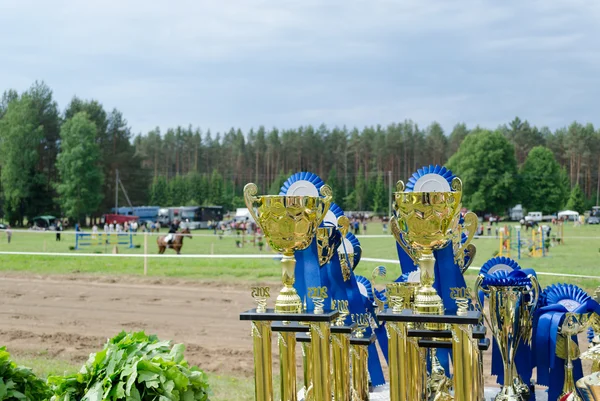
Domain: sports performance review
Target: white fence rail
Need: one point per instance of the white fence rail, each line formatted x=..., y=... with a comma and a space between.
x=245, y=256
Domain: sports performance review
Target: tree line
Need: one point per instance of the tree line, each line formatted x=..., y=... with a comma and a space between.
x=65, y=162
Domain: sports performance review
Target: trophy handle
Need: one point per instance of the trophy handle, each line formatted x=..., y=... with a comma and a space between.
x=344, y=225
x=470, y=225
x=478, y=287
x=327, y=195
x=395, y=229
x=535, y=289
x=357, y=255
x=456, y=185
x=470, y=251
x=250, y=191
x=400, y=186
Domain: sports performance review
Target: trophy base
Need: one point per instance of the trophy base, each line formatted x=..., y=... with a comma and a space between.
x=428, y=302
x=288, y=301
x=508, y=394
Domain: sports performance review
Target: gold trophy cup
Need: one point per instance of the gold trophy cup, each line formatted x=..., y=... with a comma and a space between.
x=507, y=307
x=289, y=224
x=424, y=222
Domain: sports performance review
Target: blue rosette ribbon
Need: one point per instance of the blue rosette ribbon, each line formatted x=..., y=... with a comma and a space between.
x=424, y=172
x=303, y=180
x=555, y=301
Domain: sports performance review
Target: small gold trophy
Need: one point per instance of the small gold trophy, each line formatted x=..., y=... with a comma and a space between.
x=289, y=224
x=567, y=349
x=424, y=222
x=261, y=344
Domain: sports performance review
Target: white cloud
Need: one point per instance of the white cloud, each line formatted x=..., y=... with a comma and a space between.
x=286, y=63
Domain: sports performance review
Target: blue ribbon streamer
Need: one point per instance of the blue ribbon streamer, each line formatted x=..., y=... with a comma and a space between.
x=307, y=272
x=349, y=291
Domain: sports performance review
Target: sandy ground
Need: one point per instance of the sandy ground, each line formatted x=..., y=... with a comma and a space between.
x=68, y=317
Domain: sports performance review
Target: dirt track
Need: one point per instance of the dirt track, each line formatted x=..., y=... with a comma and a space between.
x=69, y=317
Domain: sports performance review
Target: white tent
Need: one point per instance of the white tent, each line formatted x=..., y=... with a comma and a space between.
x=243, y=213
x=569, y=214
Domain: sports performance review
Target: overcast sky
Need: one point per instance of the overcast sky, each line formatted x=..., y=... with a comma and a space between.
x=243, y=63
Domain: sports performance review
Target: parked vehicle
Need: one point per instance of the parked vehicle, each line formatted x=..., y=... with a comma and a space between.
x=44, y=222
x=197, y=217
x=119, y=218
x=593, y=220
x=537, y=217
x=516, y=213
x=145, y=213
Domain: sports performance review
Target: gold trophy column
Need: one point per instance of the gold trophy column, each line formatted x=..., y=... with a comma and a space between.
x=417, y=370
x=340, y=346
x=319, y=334
x=360, y=379
x=399, y=298
x=398, y=366
x=463, y=368
x=263, y=371
x=307, y=364
x=287, y=365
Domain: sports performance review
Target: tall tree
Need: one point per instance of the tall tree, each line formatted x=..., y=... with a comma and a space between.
x=458, y=134
x=486, y=164
x=542, y=182
x=7, y=97
x=216, y=188
x=159, y=192
x=576, y=200
x=380, y=201
x=79, y=168
x=437, y=144
x=19, y=138
x=523, y=137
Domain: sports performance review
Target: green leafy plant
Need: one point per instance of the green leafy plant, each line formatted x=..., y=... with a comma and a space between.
x=134, y=367
x=18, y=383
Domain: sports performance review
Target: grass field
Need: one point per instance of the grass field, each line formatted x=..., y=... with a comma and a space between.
x=579, y=255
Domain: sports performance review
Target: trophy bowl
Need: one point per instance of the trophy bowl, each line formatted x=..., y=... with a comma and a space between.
x=289, y=224
x=424, y=222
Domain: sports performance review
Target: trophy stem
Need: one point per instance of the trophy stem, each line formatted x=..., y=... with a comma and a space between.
x=569, y=384
x=288, y=300
x=427, y=300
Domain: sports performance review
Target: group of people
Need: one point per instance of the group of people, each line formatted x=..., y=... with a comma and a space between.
x=118, y=227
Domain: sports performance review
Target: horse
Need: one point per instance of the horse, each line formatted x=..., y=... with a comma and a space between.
x=176, y=243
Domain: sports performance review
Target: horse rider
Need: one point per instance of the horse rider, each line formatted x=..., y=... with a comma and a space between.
x=172, y=231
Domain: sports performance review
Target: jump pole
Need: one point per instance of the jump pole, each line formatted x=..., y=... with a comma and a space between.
x=145, y=253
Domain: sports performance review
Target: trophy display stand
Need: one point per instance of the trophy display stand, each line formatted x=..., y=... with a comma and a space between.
x=287, y=326
x=408, y=371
